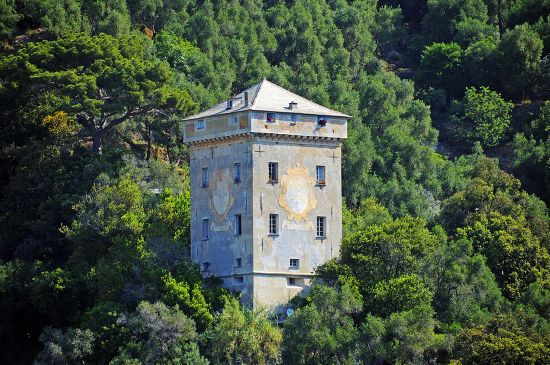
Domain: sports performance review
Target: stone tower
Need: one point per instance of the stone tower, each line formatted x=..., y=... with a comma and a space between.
x=266, y=206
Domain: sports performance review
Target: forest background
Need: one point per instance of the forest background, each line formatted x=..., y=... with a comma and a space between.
x=446, y=177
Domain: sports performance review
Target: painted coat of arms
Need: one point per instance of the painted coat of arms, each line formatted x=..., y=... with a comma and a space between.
x=297, y=195
x=221, y=199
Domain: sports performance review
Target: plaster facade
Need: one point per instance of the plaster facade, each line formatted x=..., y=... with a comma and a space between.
x=266, y=205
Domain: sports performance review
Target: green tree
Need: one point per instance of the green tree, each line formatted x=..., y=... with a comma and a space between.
x=243, y=336
x=8, y=18
x=400, y=294
x=503, y=341
x=519, y=55
x=484, y=111
x=440, y=22
x=407, y=337
x=323, y=332
x=103, y=80
x=514, y=255
x=159, y=334
x=441, y=67
x=71, y=346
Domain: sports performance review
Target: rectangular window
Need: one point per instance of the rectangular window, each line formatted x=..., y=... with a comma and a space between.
x=291, y=281
x=238, y=225
x=293, y=119
x=205, y=266
x=321, y=227
x=238, y=262
x=234, y=120
x=271, y=117
x=205, y=229
x=273, y=172
x=273, y=224
x=200, y=124
x=321, y=175
x=204, y=183
x=294, y=263
x=237, y=168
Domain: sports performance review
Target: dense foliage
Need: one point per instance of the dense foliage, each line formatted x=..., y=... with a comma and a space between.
x=445, y=256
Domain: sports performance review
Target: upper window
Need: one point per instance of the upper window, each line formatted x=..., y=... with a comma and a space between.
x=204, y=179
x=238, y=262
x=321, y=227
x=271, y=117
x=234, y=120
x=237, y=168
x=273, y=171
x=238, y=229
x=293, y=119
x=294, y=263
x=273, y=224
x=200, y=124
x=320, y=174
x=205, y=229
x=322, y=121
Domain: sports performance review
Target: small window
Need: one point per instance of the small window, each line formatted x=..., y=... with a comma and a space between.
x=273, y=172
x=322, y=121
x=206, y=266
x=238, y=262
x=205, y=229
x=238, y=225
x=321, y=175
x=273, y=224
x=291, y=281
x=200, y=124
x=233, y=120
x=321, y=227
x=237, y=168
x=204, y=177
x=294, y=263
x=293, y=119
x=271, y=117
x=239, y=279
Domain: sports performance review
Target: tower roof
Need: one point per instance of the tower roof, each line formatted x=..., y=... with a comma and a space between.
x=268, y=97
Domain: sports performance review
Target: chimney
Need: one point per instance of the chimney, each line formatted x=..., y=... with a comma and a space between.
x=246, y=98
x=292, y=105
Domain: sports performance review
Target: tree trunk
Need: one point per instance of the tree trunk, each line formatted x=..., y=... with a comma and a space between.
x=97, y=139
x=148, y=138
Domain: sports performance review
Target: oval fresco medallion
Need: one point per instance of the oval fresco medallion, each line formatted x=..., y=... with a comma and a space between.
x=297, y=194
x=221, y=199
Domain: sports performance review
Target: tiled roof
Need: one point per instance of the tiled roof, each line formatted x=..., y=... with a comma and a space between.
x=269, y=97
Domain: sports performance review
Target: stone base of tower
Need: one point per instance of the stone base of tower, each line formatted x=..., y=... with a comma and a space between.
x=271, y=291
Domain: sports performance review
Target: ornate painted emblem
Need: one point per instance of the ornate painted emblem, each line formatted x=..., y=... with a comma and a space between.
x=221, y=198
x=297, y=195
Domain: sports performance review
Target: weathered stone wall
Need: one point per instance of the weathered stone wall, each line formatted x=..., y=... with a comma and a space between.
x=297, y=238
x=219, y=203
x=265, y=276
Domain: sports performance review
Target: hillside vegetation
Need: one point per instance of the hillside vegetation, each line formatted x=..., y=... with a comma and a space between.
x=446, y=179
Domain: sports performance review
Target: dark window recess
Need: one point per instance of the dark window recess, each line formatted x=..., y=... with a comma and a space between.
x=206, y=266
x=320, y=173
x=322, y=121
x=294, y=263
x=238, y=225
x=273, y=172
x=204, y=177
x=273, y=224
x=238, y=262
x=205, y=229
x=237, y=168
x=271, y=117
x=321, y=227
